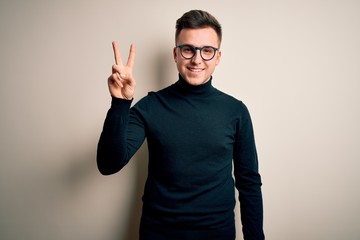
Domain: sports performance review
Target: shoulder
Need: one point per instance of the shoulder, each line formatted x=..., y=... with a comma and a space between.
x=151, y=99
x=230, y=101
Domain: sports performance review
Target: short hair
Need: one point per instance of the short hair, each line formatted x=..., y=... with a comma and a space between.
x=196, y=19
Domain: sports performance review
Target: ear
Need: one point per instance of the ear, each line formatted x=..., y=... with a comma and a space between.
x=175, y=54
x=218, y=57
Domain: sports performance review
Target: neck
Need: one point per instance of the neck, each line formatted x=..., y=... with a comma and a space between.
x=188, y=89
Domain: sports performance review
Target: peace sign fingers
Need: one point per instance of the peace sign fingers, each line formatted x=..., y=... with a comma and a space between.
x=117, y=55
x=121, y=82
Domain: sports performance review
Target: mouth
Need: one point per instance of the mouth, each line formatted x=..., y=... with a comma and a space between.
x=195, y=69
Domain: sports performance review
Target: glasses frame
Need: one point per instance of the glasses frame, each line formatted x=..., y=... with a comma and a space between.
x=195, y=49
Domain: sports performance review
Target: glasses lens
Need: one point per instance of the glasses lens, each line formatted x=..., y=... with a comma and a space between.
x=207, y=53
x=187, y=51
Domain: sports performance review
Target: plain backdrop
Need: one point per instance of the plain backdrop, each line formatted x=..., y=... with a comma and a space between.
x=295, y=64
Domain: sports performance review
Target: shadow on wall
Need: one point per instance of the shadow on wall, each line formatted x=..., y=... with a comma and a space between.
x=164, y=76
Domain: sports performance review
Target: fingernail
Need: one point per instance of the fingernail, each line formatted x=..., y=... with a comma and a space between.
x=123, y=75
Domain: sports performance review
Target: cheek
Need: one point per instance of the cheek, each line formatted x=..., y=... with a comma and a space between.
x=179, y=61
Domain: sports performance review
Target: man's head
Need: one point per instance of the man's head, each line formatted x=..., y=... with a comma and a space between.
x=198, y=38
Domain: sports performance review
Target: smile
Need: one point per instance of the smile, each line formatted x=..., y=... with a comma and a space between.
x=196, y=69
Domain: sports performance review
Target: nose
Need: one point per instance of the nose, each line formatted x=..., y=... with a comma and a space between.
x=197, y=59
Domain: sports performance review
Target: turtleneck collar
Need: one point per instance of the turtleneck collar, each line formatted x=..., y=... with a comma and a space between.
x=200, y=90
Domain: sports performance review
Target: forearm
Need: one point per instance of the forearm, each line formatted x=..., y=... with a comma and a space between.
x=112, y=154
x=251, y=206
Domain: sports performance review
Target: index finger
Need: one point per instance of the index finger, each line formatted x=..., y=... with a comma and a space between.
x=117, y=53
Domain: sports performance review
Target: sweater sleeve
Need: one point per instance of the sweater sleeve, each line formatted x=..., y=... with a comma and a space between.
x=247, y=179
x=115, y=147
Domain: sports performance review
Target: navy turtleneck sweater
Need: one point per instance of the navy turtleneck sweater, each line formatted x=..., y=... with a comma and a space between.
x=197, y=137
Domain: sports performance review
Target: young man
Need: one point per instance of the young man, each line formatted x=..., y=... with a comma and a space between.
x=196, y=134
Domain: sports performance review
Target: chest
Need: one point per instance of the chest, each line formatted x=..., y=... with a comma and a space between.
x=204, y=126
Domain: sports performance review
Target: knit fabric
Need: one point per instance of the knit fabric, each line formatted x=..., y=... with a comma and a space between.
x=198, y=137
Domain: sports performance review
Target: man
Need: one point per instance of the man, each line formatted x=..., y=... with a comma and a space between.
x=196, y=134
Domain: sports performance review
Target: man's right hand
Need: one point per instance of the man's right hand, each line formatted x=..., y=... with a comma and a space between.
x=121, y=82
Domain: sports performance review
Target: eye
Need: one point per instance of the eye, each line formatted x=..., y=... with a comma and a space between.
x=208, y=50
x=187, y=49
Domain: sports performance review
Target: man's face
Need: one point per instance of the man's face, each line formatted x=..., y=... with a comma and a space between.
x=197, y=71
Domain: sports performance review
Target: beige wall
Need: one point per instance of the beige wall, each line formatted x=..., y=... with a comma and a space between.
x=296, y=64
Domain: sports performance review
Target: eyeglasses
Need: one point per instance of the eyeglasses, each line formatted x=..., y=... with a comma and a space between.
x=189, y=51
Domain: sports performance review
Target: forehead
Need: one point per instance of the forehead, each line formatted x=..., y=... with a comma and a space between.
x=198, y=37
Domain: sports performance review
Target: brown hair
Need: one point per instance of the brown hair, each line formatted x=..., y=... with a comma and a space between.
x=196, y=19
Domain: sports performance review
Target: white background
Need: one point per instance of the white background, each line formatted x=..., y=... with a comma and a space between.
x=295, y=64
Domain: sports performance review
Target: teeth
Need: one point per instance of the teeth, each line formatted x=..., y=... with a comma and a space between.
x=195, y=69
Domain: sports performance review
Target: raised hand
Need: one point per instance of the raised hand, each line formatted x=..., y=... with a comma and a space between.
x=121, y=82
